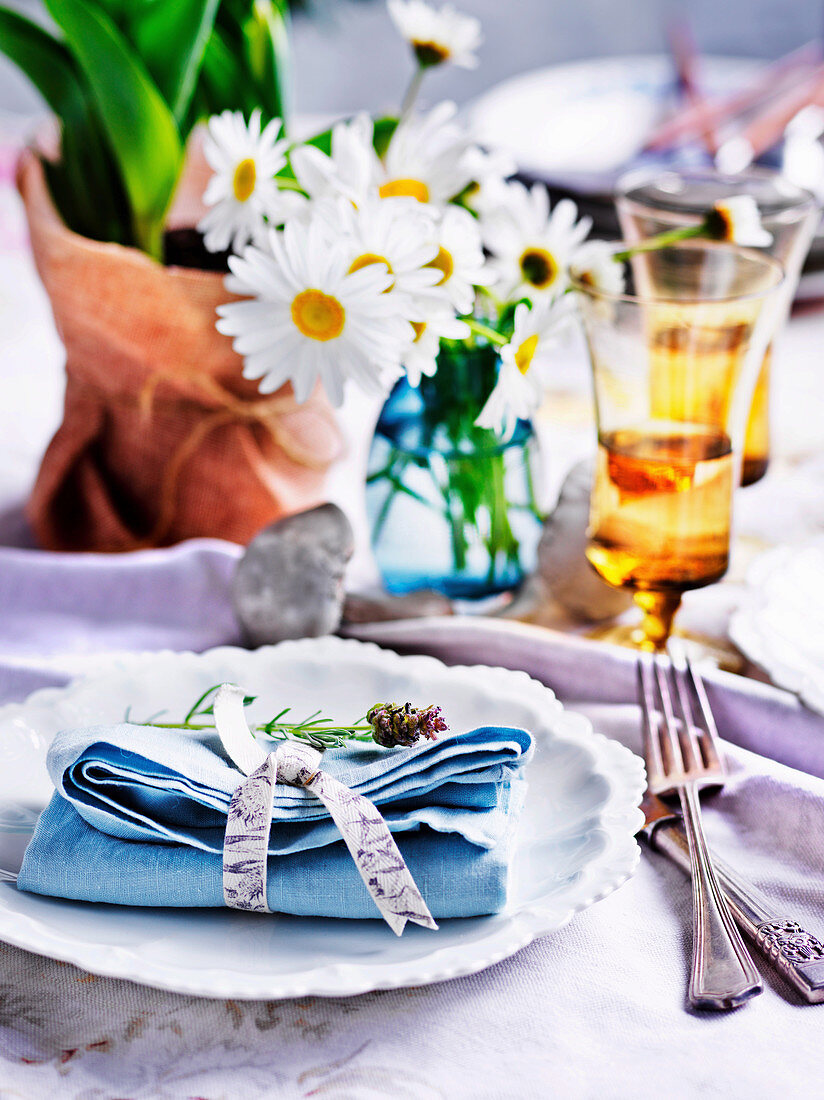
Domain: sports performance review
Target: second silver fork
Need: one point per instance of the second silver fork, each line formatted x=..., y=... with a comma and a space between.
x=682, y=755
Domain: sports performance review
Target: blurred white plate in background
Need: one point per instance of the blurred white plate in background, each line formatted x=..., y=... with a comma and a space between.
x=780, y=626
x=581, y=123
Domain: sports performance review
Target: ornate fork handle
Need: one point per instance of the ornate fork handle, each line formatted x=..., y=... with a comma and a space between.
x=723, y=974
x=793, y=951
x=797, y=954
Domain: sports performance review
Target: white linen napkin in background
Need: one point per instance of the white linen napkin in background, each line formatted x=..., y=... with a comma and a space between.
x=78, y=604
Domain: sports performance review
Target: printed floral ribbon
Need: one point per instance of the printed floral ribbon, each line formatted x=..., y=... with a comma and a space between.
x=246, y=842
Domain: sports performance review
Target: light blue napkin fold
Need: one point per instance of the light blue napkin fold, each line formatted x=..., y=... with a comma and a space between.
x=139, y=813
x=145, y=783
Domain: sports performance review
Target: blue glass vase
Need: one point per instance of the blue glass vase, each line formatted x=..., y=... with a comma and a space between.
x=452, y=506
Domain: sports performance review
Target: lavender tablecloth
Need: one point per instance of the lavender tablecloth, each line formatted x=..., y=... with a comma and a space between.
x=588, y=1012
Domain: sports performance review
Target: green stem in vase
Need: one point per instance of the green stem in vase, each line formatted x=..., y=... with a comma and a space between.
x=463, y=470
x=454, y=507
x=662, y=240
x=501, y=538
x=393, y=473
x=532, y=501
x=490, y=334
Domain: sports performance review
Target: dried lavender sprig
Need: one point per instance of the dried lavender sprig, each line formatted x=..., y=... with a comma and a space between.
x=403, y=724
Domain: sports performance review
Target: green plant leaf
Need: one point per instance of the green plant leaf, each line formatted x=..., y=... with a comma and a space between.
x=384, y=129
x=266, y=35
x=84, y=183
x=222, y=78
x=139, y=126
x=44, y=60
x=246, y=61
x=172, y=38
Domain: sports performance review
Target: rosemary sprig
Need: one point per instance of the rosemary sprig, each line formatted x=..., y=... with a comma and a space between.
x=385, y=723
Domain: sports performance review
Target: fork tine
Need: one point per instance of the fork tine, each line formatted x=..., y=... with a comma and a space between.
x=652, y=746
x=670, y=742
x=690, y=745
x=711, y=742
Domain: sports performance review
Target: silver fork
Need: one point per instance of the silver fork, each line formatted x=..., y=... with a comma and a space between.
x=683, y=755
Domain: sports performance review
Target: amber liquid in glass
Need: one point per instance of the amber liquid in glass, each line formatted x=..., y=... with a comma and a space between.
x=660, y=514
x=757, y=441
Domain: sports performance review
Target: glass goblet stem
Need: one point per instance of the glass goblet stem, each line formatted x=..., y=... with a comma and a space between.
x=659, y=610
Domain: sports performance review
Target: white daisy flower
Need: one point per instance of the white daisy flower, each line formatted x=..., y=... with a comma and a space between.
x=525, y=362
x=310, y=318
x=460, y=259
x=351, y=169
x=426, y=159
x=532, y=246
x=490, y=170
x=242, y=192
x=738, y=220
x=421, y=356
x=437, y=34
x=395, y=233
x=594, y=265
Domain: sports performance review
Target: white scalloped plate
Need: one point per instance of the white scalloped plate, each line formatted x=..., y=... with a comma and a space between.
x=576, y=844
x=780, y=625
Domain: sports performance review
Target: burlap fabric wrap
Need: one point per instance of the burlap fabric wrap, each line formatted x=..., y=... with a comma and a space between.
x=162, y=438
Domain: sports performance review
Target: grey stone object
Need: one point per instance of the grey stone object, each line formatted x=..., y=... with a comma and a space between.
x=562, y=565
x=289, y=582
x=381, y=607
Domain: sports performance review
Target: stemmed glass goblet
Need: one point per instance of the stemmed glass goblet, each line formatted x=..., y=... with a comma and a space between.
x=650, y=202
x=675, y=361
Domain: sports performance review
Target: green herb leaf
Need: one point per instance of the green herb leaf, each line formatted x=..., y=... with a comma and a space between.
x=196, y=706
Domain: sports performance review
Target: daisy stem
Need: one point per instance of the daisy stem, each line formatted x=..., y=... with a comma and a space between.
x=484, y=330
x=663, y=240
x=286, y=184
x=412, y=91
x=497, y=302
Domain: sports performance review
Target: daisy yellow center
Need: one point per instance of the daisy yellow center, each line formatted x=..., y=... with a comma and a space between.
x=444, y=263
x=539, y=267
x=420, y=329
x=430, y=53
x=366, y=260
x=244, y=180
x=404, y=189
x=525, y=353
x=317, y=315
x=720, y=223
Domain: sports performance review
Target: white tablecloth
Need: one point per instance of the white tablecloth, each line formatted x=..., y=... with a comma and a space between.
x=596, y=1010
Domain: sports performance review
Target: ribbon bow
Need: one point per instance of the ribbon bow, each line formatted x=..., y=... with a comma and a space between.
x=246, y=841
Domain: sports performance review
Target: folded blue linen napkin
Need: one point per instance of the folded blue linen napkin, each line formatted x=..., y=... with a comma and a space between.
x=139, y=813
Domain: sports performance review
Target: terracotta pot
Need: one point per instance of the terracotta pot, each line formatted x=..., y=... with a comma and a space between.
x=162, y=438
